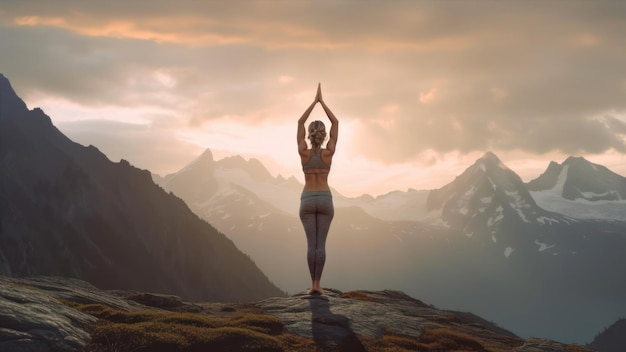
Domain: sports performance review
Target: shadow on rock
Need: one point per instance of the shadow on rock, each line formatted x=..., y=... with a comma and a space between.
x=331, y=331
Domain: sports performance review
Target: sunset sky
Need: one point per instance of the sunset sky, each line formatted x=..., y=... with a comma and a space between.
x=421, y=88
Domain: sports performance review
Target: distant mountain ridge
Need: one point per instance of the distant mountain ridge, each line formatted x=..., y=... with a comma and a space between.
x=581, y=189
x=67, y=210
x=577, y=178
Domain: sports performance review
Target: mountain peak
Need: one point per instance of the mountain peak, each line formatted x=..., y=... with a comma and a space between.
x=490, y=156
x=253, y=166
x=547, y=180
x=10, y=103
x=576, y=160
x=206, y=158
x=578, y=178
x=207, y=154
x=490, y=160
x=201, y=163
x=481, y=194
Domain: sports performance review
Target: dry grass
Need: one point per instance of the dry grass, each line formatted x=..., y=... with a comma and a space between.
x=448, y=340
x=430, y=341
x=161, y=330
x=358, y=295
x=296, y=343
x=402, y=343
x=152, y=330
x=575, y=348
x=244, y=329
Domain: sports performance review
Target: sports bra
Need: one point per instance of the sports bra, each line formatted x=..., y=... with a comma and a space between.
x=315, y=162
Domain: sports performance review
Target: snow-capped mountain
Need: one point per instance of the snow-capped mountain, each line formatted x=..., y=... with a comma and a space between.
x=204, y=181
x=576, y=178
x=67, y=210
x=576, y=189
x=484, y=195
x=581, y=189
x=489, y=201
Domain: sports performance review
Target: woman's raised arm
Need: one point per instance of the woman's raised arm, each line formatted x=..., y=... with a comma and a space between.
x=300, y=134
x=334, y=128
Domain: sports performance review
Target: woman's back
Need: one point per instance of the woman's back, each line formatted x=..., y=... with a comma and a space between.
x=316, y=166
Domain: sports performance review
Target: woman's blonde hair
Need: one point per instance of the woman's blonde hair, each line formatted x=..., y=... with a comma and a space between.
x=316, y=127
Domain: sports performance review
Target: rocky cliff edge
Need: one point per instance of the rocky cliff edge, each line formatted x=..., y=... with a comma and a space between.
x=61, y=314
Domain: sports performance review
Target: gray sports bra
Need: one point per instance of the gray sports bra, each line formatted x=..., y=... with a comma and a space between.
x=315, y=162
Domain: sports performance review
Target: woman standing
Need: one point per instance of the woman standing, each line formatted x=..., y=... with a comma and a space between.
x=316, y=204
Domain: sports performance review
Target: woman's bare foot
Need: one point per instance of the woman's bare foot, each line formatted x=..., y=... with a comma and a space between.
x=316, y=288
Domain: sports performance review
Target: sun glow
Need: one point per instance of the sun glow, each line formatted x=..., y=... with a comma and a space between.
x=63, y=111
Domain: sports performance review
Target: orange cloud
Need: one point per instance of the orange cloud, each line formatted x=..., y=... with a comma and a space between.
x=40, y=21
x=428, y=97
x=585, y=40
x=127, y=29
x=498, y=94
x=191, y=31
x=285, y=79
x=197, y=31
x=390, y=108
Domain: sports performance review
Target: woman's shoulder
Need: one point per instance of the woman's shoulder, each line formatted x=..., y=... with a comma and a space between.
x=326, y=152
x=305, y=152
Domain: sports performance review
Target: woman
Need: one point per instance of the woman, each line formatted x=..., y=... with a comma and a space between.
x=316, y=204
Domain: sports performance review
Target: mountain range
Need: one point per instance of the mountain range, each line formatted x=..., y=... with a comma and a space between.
x=486, y=242
x=67, y=210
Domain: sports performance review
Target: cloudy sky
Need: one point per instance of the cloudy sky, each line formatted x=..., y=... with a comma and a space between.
x=421, y=88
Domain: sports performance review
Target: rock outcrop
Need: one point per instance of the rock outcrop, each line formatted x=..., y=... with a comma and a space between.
x=60, y=314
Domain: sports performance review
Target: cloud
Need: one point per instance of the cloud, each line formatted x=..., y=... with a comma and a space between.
x=429, y=96
x=425, y=77
x=119, y=140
